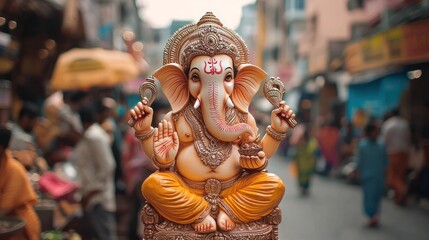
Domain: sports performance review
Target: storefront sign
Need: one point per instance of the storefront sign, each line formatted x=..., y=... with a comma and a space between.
x=416, y=37
x=400, y=45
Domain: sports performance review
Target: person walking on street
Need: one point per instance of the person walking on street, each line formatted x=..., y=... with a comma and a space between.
x=328, y=138
x=105, y=110
x=372, y=162
x=396, y=136
x=96, y=169
x=306, y=148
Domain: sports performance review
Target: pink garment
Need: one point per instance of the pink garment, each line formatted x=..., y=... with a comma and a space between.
x=328, y=138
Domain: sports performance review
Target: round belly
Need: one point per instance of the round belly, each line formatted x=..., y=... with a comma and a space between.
x=190, y=166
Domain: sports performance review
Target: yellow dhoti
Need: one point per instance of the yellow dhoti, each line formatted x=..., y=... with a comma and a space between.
x=248, y=199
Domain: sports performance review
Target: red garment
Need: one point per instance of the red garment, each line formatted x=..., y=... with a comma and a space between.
x=328, y=138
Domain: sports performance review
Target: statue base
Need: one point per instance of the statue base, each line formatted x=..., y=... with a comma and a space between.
x=158, y=228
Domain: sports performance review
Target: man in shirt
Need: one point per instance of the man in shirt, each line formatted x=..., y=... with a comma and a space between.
x=396, y=136
x=96, y=167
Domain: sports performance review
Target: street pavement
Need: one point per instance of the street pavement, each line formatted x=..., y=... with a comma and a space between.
x=333, y=211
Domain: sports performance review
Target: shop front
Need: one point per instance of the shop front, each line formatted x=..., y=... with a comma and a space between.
x=389, y=70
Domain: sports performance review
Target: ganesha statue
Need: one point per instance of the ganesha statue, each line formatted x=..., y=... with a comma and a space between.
x=211, y=159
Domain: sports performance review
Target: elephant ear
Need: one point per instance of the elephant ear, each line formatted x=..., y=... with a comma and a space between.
x=246, y=84
x=174, y=85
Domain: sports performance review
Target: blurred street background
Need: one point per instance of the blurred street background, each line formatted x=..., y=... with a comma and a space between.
x=356, y=74
x=333, y=211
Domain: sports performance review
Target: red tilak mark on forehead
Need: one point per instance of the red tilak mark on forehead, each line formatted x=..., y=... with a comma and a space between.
x=211, y=67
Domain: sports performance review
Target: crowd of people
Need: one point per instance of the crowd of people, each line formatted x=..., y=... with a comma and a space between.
x=74, y=147
x=384, y=156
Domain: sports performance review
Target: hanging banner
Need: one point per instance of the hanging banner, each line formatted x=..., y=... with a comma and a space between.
x=404, y=44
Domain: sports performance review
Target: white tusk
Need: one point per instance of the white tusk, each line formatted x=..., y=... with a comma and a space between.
x=229, y=103
x=197, y=104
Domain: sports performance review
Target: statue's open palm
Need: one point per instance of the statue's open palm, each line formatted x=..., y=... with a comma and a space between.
x=165, y=143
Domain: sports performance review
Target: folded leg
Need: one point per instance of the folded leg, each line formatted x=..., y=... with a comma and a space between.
x=252, y=196
x=172, y=198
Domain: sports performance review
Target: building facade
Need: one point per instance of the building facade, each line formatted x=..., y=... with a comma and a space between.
x=392, y=57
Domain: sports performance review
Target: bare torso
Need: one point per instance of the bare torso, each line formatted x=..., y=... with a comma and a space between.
x=190, y=166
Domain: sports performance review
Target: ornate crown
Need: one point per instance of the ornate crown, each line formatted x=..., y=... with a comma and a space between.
x=207, y=37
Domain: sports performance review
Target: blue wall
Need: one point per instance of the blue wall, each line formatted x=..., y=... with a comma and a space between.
x=377, y=96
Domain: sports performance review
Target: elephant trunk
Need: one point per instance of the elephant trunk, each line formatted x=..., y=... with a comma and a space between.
x=213, y=111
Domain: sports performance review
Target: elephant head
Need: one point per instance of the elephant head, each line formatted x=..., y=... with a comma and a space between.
x=214, y=85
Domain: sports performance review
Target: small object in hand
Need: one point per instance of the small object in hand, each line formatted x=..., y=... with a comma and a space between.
x=148, y=85
x=273, y=91
x=250, y=149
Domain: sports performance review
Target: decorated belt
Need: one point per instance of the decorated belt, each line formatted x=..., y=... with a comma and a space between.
x=204, y=184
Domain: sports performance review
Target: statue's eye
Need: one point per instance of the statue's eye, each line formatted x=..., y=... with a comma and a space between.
x=195, y=77
x=228, y=77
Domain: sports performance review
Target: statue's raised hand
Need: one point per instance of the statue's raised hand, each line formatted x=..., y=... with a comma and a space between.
x=279, y=115
x=165, y=143
x=142, y=115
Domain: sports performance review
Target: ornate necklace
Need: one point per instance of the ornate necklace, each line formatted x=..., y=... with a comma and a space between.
x=212, y=151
